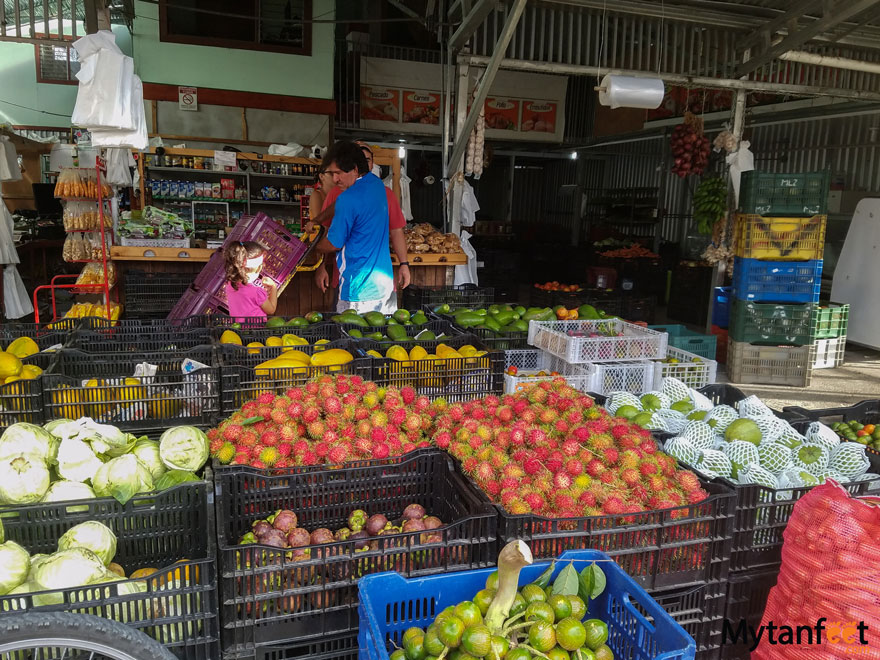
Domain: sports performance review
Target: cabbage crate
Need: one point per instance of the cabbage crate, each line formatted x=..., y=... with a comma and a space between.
x=171, y=531
x=390, y=604
x=269, y=597
x=770, y=365
x=779, y=239
x=692, y=370
x=608, y=340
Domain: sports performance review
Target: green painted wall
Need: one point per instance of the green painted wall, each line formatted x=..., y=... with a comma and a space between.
x=18, y=85
x=232, y=68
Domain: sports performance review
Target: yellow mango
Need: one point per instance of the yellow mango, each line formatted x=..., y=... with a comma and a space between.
x=467, y=350
x=374, y=353
x=397, y=353
x=23, y=347
x=30, y=371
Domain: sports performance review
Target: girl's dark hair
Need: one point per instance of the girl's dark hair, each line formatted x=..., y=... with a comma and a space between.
x=235, y=256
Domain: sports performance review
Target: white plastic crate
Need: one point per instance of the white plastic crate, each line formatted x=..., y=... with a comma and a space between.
x=829, y=353
x=572, y=340
x=523, y=358
x=693, y=370
x=636, y=376
x=577, y=376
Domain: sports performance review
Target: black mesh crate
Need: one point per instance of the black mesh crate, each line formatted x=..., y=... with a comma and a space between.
x=437, y=327
x=678, y=547
x=170, y=530
x=22, y=400
x=771, y=193
x=314, y=332
x=134, y=339
x=463, y=295
x=241, y=381
x=110, y=389
x=454, y=379
x=109, y=327
x=638, y=309
x=153, y=295
x=747, y=593
x=44, y=336
x=269, y=597
x=332, y=647
x=700, y=611
x=501, y=341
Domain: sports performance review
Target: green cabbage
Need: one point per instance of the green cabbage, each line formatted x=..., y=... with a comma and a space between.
x=14, y=565
x=54, y=424
x=103, y=591
x=183, y=448
x=23, y=479
x=28, y=439
x=174, y=478
x=122, y=478
x=147, y=452
x=36, y=560
x=73, y=567
x=66, y=491
x=76, y=460
x=93, y=536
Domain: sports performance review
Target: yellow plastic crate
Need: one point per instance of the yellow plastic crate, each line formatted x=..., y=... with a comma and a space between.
x=779, y=239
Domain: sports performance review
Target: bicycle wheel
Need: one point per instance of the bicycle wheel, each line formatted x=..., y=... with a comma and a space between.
x=60, y=635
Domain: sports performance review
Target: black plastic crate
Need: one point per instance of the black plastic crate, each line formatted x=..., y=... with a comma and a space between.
x=106, y=326
x=133, y=339
x=463, y=295
x=241, y=383
x=314, y=332
x=168, y=398
x=43, y=335
x=151, y=295
x=269, y=598
x=455, y=379
x=687, y=545
x=437, y=327
x=747, y=593
x=699, y=610
x=638, y=309
x=500, y=341
x=156, y=530
x=866, y=412
x=22, y=400
x=333, y=647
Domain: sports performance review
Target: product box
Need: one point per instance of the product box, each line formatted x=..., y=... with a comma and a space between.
x=227, y=188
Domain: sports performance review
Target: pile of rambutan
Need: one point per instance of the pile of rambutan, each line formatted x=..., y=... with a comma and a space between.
x=549, y=450
x=330, y=420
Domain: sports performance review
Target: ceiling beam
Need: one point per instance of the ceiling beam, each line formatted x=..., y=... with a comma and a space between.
x=794, y=40
x=406, y=10
x=764, y=34
x=470, y=23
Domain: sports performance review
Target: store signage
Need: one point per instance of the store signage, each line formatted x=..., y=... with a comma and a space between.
x=188, y=98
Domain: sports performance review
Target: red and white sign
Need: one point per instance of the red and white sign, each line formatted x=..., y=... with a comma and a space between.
x=188, y=98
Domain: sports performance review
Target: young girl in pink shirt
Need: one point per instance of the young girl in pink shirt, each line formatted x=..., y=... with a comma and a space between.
x=247, y=295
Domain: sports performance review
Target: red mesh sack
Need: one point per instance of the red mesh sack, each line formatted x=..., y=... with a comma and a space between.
x=830, y=575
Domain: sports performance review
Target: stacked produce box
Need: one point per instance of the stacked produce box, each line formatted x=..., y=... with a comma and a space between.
x=778, y=246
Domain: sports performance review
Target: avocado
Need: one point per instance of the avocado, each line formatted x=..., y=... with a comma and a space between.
x=494, y=309
x=481, y=312
x=297, y=322
x=519, y=309
x=468, y=319
x=503, y=318
x=376, y=336
x=275, y=322
x=426, y=335
x=519, y=325
x=392, y=321
x=396, y=332
x=354, y=332
x=419, y=318
x=354, y=319
x=314, y=317
x=375, y=319
x=442, y=309
x=401, y=315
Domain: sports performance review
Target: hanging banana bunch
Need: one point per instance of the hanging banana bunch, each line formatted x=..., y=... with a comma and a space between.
x=710, y=203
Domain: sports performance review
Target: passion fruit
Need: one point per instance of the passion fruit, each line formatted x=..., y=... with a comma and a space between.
x=561, y=606
x=542, y=637
x=540, y=612
x=469, y=613
x=476, y=640
x=570, y=634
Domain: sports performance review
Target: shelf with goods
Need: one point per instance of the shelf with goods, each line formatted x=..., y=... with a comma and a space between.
x=634, y=211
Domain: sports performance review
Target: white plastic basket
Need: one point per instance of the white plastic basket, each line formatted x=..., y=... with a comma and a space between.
x=636, y=377
x=576, y=375
x=572, y=340
x=829, y=353
x=692, y=370
x=523, y=358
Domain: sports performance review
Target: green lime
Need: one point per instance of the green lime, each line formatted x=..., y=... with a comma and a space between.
x=476, y=640
x=499, y=648
x=410, y=633
x=483, y=599
x=539, y=611
x=542, y=637
x=492, y=581
x=533, y=593
x=570, y=634
x=469, y=613
x=578, y=608
x=558, y=653
x=561, y=606
x=518, y=653
x=414, y=648
x=604, y=653
x=519, y=605
x=433, y=645
x=597, y=633
x=450, y=630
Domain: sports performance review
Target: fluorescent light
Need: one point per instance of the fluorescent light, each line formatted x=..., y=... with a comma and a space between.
x=401, y=151
x=574, y=155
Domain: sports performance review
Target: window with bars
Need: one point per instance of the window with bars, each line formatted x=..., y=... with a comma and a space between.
x=57, y=63
x=271, y=25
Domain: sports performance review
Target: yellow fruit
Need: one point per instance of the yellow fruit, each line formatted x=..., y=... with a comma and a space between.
x=70, y=402
x=417, y=353
x=294, y=340
x=322, y=341
x=13, y=394
x=447, y=352
x=467, y=350
x=23, y=347
x=374, y=353
x=30, y=371
x=274, y=341
x=254, y=347
x=332, y=357
x=163, y=406
x=11, y=379
x=116, y=568
x=142, y=573
x=10, y=365
x=230, y=337
x=397, y=353
x=431, y=370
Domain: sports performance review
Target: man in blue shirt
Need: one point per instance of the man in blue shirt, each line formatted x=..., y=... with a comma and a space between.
x=360, y=233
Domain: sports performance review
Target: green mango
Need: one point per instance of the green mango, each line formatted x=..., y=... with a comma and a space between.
x=419, y=318
x=468, y=319
x=442, y=309
x=396, y=332
x=375, y=319
x=354, y=319
x=519, y=309
x=274, y=322
x=314, y=317
x=494, y=309
x=481, y=312
x=519, y=325
x=339, y=318
x=376, y=336
x=426, y=335
x=493, y=323
x=503, y=318
x=296, y=322
x=392, y=321
x=354, y=332
x=588, y=313
x=401, y=315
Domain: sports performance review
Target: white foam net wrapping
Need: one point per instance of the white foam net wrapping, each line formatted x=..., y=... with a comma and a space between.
x=714, y=463
x=723, y=416
x=699, y=434
x=680, y=448
x=675, y=389
x=812, y=458
x=617, y=399
x=849, y=459
x=774, y=457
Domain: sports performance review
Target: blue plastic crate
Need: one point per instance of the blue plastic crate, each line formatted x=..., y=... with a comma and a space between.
x=389, y=604
x=721, y=306
x=688, y=340
x=777, y=281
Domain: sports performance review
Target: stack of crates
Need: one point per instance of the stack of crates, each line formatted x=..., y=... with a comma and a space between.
x=778, y=246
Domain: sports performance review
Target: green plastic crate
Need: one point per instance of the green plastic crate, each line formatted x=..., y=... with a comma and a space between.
x=688, y=340
x=830, y=321
x=771, y=324
x=795, y=194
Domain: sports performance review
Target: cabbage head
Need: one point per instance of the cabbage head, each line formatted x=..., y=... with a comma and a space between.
x=122, y=478
x=93, y=536
x=29, y=439
x=14, y=565
x=65, y=491
x=36, y=560
x=23, y=479
x=76, y=460
x=73, y=567
x=54, y=424
x=175, y=478
x=147, y=452
x=103, y=591
x=183, y=448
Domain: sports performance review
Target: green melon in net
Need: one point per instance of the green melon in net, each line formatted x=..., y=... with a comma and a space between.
x=741, y=454
x=811, y=458
x=617, y=399
x=714, y=463
x=753, y=406
x=819, y=434
x=774, y=457
x=699, y=434
x=849, y=459
x=675, y=389
x=828, y=473
x=721, y=417
x=755, y=474
x=681, y=449
x=790, y=437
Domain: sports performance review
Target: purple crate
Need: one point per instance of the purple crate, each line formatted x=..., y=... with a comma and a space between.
x=213, y=273
x=195, y=302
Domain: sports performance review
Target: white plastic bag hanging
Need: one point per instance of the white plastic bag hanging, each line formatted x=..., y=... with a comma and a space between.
x=15, y=296
x=106, y=79
x=741, y=160
x=137, y=138
x=469, y=205
x=290, y=149
x=9, y=169
x=8, y=253
x=467, y=273
x=119, y=164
